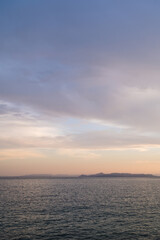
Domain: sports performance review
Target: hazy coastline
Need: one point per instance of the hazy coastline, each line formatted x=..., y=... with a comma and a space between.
x=97, y=175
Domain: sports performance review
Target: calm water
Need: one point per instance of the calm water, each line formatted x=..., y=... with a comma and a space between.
x=80, y=209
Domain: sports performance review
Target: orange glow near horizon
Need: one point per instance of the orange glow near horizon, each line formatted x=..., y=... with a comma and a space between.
x=22, y=162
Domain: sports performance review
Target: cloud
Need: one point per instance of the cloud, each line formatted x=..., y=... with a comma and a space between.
x=94, y=61
x=129, y=98
x=96, y=140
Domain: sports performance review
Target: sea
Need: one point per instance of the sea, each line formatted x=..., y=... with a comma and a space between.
x=75, y=208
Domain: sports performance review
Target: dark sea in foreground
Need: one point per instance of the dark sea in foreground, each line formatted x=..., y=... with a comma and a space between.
x=96, y=208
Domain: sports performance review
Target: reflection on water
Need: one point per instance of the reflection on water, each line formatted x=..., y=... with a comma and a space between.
x=99, y=209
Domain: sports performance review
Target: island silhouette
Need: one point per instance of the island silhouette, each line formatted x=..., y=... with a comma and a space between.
x=97, y=175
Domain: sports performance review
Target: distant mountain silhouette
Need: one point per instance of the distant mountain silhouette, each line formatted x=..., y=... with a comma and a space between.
x=97, y=175
x=39, y=176
x=118, y=175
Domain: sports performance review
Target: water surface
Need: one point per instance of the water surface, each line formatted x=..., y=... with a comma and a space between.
x=99, y=208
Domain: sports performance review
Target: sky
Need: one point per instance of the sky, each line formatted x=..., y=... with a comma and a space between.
x=79, y=86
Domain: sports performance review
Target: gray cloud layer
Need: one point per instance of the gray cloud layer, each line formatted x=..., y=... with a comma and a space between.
x=95, y=140
x=86, y=59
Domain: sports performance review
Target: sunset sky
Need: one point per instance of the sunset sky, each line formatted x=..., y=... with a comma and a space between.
x=79, y=86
